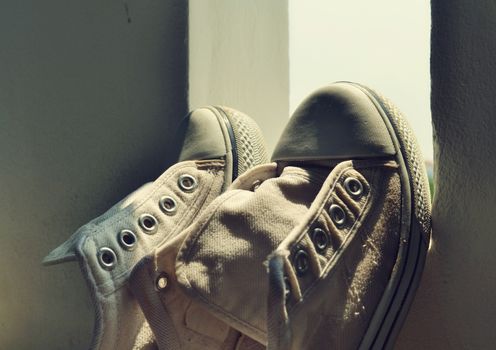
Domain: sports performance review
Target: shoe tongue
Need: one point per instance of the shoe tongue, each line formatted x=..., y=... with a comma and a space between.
x=239, y=234
x=314, y=173
x=201, y=136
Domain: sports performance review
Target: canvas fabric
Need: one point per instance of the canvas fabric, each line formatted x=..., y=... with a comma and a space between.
x=177, y=321
x=228, y=272
x=119, y=321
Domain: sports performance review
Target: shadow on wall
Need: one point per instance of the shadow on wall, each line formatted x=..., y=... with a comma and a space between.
x=90, y=96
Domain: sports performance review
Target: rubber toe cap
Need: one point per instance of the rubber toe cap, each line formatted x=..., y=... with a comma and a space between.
x=335, y=122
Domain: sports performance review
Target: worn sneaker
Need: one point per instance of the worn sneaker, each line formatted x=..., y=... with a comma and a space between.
x=219, y=143
x=322, y=249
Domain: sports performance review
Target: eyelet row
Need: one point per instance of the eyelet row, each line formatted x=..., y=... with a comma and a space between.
x=301, y=259
x=149, y=224
x=320, y=238
x=355, y=189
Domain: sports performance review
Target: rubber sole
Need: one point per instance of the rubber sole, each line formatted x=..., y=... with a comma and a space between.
x=393, y=307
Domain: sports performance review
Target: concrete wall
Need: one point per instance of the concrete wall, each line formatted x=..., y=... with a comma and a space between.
x=239, y=57
x=455, y=306
x=90, y=94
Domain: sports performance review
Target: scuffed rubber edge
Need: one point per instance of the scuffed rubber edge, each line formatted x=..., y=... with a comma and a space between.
x=393, y=307
x=232, y=139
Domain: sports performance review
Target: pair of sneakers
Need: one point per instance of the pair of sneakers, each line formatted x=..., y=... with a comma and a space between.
x=322, y=248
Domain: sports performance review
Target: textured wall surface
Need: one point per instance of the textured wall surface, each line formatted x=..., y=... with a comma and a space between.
x=238, y=56
x=90, y=95
x=455, y=308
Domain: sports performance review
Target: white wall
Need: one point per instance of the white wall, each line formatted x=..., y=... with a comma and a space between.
x=381, y=43
x=239, y=57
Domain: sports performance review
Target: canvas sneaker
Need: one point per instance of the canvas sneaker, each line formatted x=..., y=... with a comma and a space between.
x=219, y=144
x=321, y=249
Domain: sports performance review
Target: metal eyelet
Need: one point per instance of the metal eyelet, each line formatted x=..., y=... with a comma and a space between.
x=320, y=239
x=337, y=214
x=161, y=282
x=287, y=289
x=168, y=205
x=301, y=261
x=127, y=239
x=107, y=258
x=148, y=223
x=187, y=183
x=353, y=186
x=256, y=184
